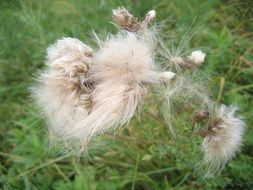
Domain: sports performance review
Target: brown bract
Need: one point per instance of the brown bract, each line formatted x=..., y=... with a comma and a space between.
x=123, y=18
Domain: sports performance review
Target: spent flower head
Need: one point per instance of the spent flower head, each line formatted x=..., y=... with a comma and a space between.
x=222, y=137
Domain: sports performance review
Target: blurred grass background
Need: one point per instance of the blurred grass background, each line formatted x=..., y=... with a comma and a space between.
x=143, y=155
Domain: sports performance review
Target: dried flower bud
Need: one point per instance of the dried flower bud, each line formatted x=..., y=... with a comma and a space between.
x=203, y=133
x=149, y=17
x=125, y=19
x=201, y=115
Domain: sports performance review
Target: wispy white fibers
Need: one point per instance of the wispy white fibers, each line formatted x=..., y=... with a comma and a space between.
x=185, y=90
x=61, y=91
x=223, y=137
x=175, y=52
x=122, y=67
x=85, y=93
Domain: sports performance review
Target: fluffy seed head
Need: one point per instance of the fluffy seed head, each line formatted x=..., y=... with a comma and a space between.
x=124, y=58
x=223, y=138
x=60, y=91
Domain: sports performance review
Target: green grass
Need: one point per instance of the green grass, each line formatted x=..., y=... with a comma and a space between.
x=144, y=155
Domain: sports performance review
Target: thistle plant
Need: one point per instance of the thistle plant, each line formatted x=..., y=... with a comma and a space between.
x=85, y=92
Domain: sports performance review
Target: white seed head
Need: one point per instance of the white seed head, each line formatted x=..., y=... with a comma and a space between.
x=60, y=91
x=197, y=57
x=124, y=57
x=223, y=138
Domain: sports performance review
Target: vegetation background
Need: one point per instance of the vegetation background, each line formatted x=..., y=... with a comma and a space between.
x=144, y=155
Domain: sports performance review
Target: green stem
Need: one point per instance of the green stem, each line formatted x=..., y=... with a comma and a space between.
x=222, y=83
x=135, y=172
